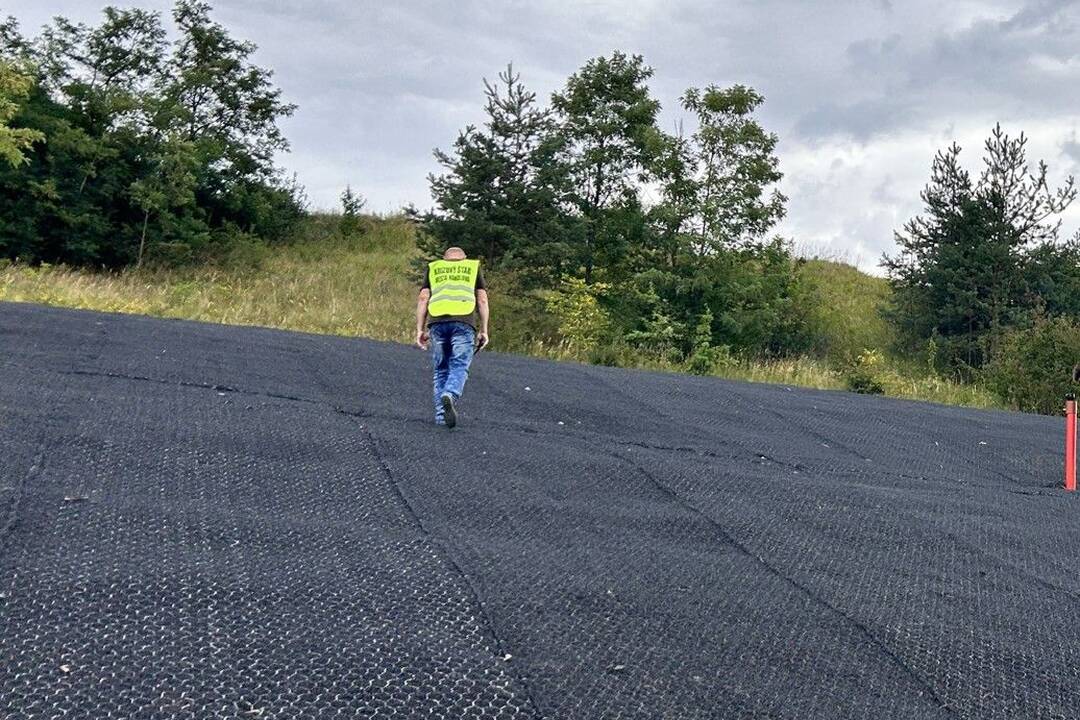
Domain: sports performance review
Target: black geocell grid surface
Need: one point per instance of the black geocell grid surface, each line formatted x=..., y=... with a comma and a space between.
x=201, y=521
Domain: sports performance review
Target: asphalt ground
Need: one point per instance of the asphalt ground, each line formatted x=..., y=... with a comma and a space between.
x=202, y=521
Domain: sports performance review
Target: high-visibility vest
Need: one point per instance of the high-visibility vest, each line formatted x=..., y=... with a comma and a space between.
x=453, y=287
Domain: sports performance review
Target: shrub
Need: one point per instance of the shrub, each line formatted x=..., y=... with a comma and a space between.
x=583, y=323
x=351, y=205
x=706, y=361
x=865, y=374
x=660, y=337
x=238, y=250
x=1031, y=369
x=608, y=355
x=521, y=322
x=706, y=358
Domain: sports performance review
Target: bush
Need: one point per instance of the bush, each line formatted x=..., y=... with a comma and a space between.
x=522, y=323
x=865, y=374
x=1031, y=369
x=706, y=358
x=129, y=170
x=351, y=205
x=653, y=330
x=749, y=292
x=609, y=355
x=706, y=361
x=238, y=250
x=583, y=323
x=660, y=338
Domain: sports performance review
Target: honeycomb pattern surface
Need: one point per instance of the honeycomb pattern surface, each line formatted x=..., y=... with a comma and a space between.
x=202, y=521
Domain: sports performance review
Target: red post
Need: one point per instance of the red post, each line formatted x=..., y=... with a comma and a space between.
x=1070, y=443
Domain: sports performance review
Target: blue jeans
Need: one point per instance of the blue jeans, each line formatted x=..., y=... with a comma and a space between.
x=452, y=345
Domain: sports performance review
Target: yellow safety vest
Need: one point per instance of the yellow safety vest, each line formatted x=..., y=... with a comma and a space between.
x=453, y=287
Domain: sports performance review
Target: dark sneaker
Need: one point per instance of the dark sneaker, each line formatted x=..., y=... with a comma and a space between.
x=449, y=413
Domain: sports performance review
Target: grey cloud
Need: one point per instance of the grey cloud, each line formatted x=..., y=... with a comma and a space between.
x=1070, y=149
x=1041, y=14
x=885, y=192
x=380, y=84
x=988, y=67
x=860, y=120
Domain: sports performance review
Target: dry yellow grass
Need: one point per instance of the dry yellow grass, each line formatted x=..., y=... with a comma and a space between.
x=359, y=287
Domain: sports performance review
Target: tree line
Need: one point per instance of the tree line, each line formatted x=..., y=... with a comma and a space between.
x=657, y=241
x=130, y=146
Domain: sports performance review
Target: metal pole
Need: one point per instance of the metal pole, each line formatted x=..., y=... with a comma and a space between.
x=1070, y=443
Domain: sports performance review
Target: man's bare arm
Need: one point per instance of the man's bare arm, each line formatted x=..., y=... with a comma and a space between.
x=421, y=318
x=485, y=313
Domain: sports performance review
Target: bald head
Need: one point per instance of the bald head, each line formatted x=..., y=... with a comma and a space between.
x=454, y=253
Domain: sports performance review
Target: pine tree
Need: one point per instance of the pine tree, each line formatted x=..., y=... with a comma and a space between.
x=351, y=206
x=501, y=195
x=966, y=267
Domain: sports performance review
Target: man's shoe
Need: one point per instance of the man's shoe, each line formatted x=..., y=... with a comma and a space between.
x=449, y=413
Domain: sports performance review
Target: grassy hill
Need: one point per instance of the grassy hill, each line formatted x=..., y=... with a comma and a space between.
x=364, y=286
x=843, y=306
x=323, y=284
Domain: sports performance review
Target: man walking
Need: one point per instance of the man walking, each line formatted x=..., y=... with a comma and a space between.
x=451, y=299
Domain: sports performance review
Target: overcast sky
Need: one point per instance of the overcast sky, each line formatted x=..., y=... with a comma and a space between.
x=862, y=92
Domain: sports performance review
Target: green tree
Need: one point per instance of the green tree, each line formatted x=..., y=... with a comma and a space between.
x=671, y=221
x=561, y=193
x=707, y=253
x=656, y=332
x=15, y=87
x=218, y=99
x=607, y=124
x=583, y=324
x=104, y=69
x=351, y=206
x=153, y=149
x=105, y=74
x=170, y=187
x=214, y=97
x=501, y=195
x=967, y=268
x=705, y=357
x=748, y=291
x=737, y=165
x=71, y=203
x=1054, y=278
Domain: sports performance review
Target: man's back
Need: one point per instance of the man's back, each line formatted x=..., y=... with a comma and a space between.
x=452, y=319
